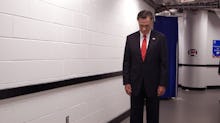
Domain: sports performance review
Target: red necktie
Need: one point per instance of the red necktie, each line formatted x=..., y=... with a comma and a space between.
x=144, y=48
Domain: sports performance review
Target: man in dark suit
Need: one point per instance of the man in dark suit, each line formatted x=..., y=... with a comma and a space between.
x=145, y=69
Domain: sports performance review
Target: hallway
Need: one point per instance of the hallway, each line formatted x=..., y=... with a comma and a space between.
x=190, y=107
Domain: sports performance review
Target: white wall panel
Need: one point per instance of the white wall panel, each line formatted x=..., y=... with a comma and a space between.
x=42, y=11
x=103, y=52
x=73, y=68
x=192, y=77
x=26, y=49
x=74, y=5
x=6, y=25
x=105, y=39
x=211, y=77
x=34, y=29
x=23, y=49
x=73, y=35
x=71, y=51
x=198, y=77
x=20, y=8
x=29, y=71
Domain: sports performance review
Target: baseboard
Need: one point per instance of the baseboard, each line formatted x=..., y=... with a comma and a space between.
x=121, y=117
x=191, y=88
x=213, y=87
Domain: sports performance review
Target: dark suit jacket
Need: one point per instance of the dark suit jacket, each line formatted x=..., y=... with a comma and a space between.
x=153, y=71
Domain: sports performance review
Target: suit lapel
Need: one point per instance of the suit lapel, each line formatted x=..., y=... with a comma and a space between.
x=151, y=41
x=137, y=45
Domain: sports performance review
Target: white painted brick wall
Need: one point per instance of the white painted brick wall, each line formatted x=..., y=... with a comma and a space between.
x=43, y=41
x=39, y=30
x=99, y=101
x=6, y=24
x=44, y=30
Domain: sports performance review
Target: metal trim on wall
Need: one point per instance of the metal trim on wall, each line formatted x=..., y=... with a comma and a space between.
x=198, y=65
x=18, y=91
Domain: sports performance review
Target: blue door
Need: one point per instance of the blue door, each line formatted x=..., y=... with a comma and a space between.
x=169, y=27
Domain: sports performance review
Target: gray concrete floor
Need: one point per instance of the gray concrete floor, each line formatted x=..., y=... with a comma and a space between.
x=190, y=107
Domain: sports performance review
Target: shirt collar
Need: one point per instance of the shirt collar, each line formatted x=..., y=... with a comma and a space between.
x=148, y=34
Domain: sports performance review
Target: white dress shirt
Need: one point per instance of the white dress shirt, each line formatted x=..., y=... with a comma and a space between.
x=142, y=38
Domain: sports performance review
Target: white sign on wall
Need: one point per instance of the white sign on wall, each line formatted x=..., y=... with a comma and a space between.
x=216, y=48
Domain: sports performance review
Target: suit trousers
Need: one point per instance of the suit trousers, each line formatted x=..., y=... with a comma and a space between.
x=137, y=108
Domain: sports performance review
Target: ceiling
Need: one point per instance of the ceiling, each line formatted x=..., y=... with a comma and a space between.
x=180, y=5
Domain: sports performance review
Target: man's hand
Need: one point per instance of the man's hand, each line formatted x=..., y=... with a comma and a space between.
x=128, y=89
x=161, y=90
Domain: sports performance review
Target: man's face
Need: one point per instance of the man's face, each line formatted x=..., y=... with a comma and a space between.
x=145, y=24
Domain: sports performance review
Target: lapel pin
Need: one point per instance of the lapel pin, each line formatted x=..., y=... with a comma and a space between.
x=153, y=38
